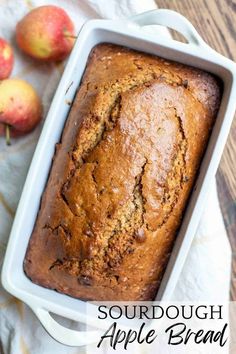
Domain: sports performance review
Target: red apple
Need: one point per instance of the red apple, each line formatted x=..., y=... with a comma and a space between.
x=46, y=33
x=20, y=107
x=6, y=59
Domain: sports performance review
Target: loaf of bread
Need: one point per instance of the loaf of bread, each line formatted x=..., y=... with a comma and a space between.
x=121, y=176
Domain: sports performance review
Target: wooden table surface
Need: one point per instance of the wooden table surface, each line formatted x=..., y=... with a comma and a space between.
x=215, y=20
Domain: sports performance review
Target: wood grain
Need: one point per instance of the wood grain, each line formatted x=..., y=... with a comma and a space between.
x=215, y=20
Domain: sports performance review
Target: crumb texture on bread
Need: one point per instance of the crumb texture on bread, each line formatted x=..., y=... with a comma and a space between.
x=121, y=176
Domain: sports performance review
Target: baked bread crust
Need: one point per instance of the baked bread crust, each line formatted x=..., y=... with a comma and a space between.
x=121, y=176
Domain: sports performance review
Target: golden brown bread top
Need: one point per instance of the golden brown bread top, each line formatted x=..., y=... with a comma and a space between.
x=121, y=175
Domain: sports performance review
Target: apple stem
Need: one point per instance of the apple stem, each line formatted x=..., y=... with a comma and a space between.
x=69, y=36
x=8, y=134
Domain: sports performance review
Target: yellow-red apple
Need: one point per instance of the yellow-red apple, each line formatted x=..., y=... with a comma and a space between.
x=20, y=107
x=6, y=59
x=46, y=33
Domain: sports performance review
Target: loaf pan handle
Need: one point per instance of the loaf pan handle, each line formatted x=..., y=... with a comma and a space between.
x=65, y=335
x=171, y=19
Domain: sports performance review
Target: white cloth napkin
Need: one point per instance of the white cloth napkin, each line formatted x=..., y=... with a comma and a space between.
x=206, y=273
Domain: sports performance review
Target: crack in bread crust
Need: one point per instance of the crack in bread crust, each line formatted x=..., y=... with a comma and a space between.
x=119, y=239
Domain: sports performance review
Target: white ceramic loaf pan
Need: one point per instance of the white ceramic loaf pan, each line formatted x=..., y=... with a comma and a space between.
x=129, y=33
